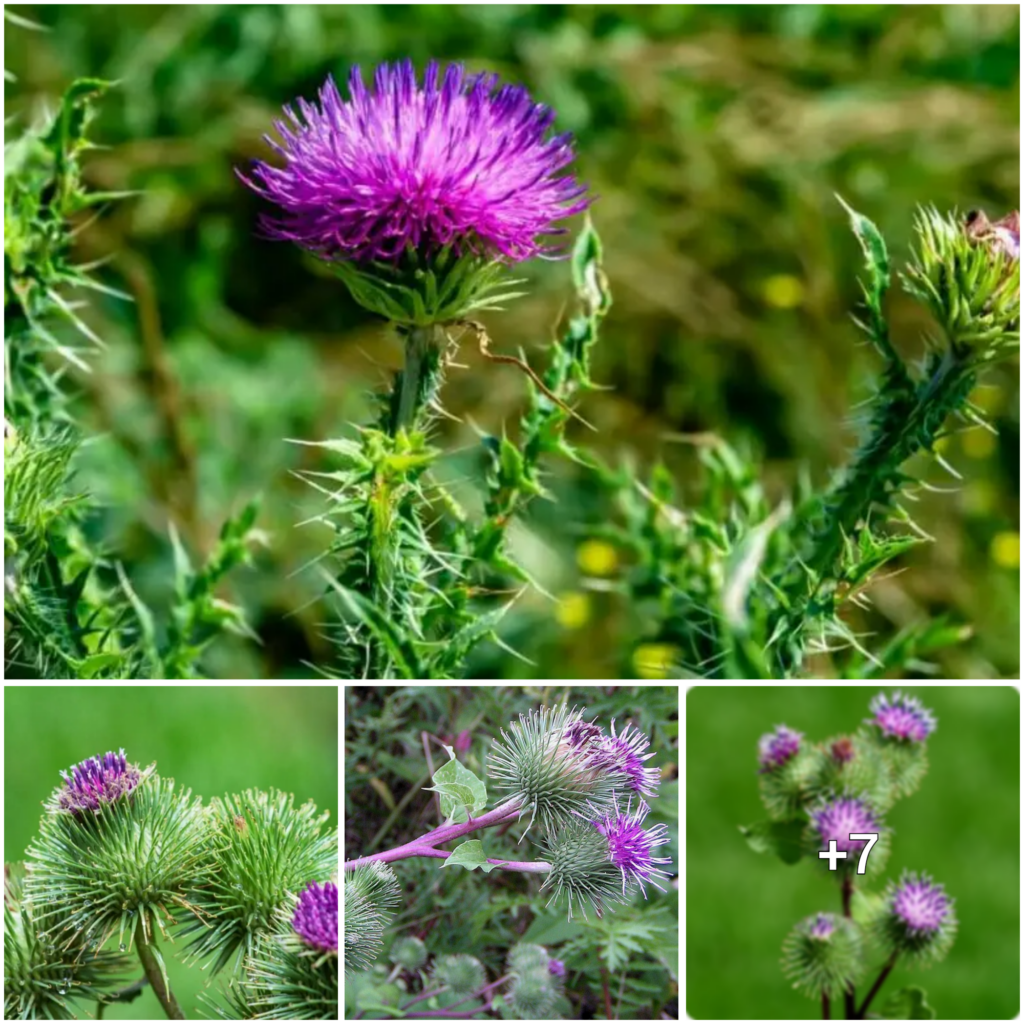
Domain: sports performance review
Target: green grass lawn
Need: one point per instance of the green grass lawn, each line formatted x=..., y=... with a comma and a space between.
x=962, y=827
x=212, y=739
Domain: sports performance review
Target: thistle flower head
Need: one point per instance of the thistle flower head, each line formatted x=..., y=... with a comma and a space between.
x=917, y=919
x=823, y=955
x=457, y=161
x=316, y=916
x=582, y=868
x=902, y=717
x=557, y=968
x=554, y=766
x=776, y=748
x=1002, y=237
x=838, y=817
x=842, y=750
x=97, y=780
x=630, y=846
x=624, y=752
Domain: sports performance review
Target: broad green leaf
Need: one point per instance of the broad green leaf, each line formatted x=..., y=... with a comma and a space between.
x=469, y=855
x=910, y=1003
x=783, y=838
x=462, y=793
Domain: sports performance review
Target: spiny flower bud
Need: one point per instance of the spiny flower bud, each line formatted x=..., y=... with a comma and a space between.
x=790, y=772
x=462, y=973
x=822, y=955
x=371, y=893
x=125, y=862
x=41, y=979
x=972, y=289
x=408, y=952
x=917, y=919
x=97, y=780
x=532, y=995
x=316, y=916
x=581, y=868
x=256, y=869
x=554, y=766
x=854, y=764
x=526, y=956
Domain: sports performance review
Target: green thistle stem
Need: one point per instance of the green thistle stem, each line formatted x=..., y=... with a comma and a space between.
x=419, y=378
x=907, y=423
x=849, y=999
x=147, y=955
x=890, y=964
x=826, y=1012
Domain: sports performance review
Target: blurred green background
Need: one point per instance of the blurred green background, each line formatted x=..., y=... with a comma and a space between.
x=714, y=136
x=962, y=827
x=211, y=739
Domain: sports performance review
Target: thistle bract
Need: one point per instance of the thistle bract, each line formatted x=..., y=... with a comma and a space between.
x=371, y=894
x=130, y=860
x=554, y=767
x=262, y=850
x=385, y=182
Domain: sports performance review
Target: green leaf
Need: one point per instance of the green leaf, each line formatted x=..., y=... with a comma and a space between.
x=876, y=255
x=459, y=788
x=910, y=1003
x=469, y=855
x=783, y=838
x=90, y=667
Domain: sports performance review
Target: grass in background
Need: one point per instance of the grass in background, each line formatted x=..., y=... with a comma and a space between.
x=212, y=739
x=962, y=827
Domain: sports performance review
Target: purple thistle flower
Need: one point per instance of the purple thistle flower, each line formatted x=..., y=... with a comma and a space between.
x=837, y=818
x=902, y=717
x=581, y=735
x=97, y=781
x=625, y=753
x=774, y=749
x=823, y=927
x=557, y=968
x=316, y=916
x=922, y=906
x=630, y=845
x=458, y=161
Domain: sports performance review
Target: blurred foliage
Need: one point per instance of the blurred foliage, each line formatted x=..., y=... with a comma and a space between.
x=213, y=740
x=714, y=137
x=961, y=827
x=387, y=731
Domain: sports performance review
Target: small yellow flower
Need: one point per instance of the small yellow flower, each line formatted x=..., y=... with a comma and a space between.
x=978, y=443
x=573, y=609
x=597, y=558
x=783, y=291
x=655, y=661
x=1005, y=549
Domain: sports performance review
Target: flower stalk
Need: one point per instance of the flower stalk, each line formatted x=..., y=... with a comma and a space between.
x=418, y=381
x=156, y=972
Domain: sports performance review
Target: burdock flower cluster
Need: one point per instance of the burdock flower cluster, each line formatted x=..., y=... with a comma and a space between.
x=820, y=795
x=123, y=853
x=584, y=790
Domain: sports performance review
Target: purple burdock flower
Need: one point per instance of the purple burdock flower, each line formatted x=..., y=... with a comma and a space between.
x=922, y=906
x=316, y=916
x=557, y=968
x=96, y=781
x=774, y=749
x=581, y=735
x=630, y=845
x=823, y=927
x=902, y=717
x=837, y=818
x=624, y=752
x=457, y=161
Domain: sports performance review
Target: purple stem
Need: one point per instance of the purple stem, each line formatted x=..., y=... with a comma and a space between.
x=425, y=845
